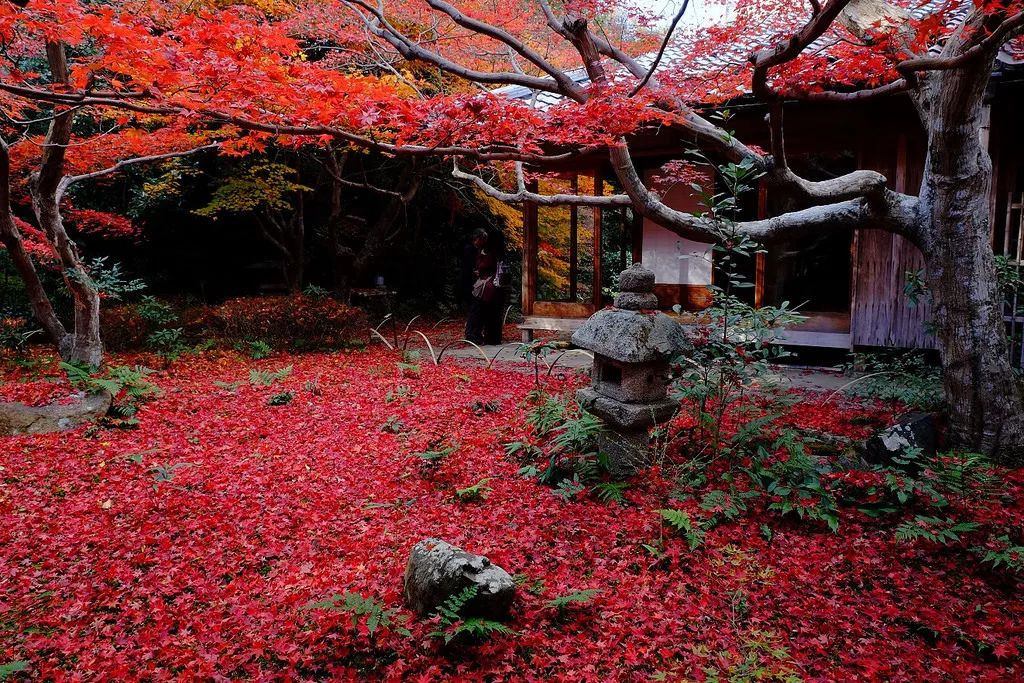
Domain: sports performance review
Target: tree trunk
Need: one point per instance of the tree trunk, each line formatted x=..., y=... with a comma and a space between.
x=986, y=404
x=985, y=401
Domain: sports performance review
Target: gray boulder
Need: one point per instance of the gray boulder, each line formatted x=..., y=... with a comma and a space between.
x=913, y=430
x=18, y=418
x=438, y=570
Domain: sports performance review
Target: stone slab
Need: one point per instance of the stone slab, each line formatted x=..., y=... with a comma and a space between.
x=626, y=416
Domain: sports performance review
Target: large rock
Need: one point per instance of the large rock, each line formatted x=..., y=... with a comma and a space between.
x=438, y=570
x=913, y=430
x=18, y=418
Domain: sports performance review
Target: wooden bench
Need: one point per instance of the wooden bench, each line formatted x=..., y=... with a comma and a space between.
x=532, y=323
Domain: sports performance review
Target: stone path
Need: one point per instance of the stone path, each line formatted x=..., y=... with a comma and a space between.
x=810, y=379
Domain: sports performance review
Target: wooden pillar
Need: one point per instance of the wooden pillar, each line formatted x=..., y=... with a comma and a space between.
x=529, y=252
x=574, y=247
x=598, y=217
x=759, y=258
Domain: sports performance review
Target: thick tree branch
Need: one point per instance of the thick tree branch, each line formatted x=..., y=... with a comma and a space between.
x=68, y=181
x=881, y=208
x=524, y=195
x=566, y=84
x=788, y=50
x=409, y=49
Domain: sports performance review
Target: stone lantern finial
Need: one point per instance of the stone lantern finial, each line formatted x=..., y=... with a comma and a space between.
x=636, y=289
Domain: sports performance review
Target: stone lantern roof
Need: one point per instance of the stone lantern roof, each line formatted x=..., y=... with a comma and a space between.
x=633, y=331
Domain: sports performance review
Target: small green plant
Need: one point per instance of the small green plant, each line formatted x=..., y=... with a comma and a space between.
x=393, y=425
x=164, y=474
x=934, y=529
x=366, y=611
x=169, y=343
x=266, y=378
x=315, y=292
x=117, y=380
x=435, y=455
x=903, y=378
x=569, y=488
x=575, y=598
x=259, y=349
x=106, y=279
x=477, y=492
x=402, y=392
x=156, y=312
x=610, y=491
x=1009, y=555
x=10, y=668
x=454, y=625
x=681, y=523
x=281, y=399
x=15, y=333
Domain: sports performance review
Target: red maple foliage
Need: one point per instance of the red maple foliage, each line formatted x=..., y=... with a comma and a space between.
x=185, y=549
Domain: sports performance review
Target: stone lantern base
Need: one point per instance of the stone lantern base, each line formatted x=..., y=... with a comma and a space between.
x=625, y=442
x=627, y=452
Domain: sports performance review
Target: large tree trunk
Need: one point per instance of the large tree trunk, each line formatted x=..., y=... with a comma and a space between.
x=986, y=404
x=984, y=396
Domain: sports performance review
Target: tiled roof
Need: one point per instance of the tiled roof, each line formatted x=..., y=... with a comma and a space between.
x=729, y=57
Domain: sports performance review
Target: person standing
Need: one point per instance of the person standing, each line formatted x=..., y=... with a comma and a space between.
x=483, y=324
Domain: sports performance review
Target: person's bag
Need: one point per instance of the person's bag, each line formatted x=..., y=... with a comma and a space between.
x=480, y=288
x=502, y=275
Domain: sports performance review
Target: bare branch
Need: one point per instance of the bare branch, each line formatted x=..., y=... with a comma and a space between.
x=67, y=181
x=661, y=50
x=409, y=49
x=566, y=85
x=523, y=195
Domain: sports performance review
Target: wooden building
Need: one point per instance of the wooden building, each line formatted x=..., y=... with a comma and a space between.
x=850, y=286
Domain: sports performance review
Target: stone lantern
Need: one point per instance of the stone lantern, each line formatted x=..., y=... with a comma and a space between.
x=632, y=344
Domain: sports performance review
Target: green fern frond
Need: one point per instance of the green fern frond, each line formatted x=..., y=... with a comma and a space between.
x=576, y=597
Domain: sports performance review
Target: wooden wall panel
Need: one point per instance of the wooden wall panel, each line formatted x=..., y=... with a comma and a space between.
x=881, y=314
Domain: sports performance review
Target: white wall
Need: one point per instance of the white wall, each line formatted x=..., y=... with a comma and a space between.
x=676, y=260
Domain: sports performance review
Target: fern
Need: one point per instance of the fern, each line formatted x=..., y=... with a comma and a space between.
x=454, y=625
x=568, y=489
x=81, y=376
x=680, y=521
x=265, y=378
x=1009, y=556
x=434, y=456
x=478, y=629
x=577, y=435
x=544, y=418
x=450, y=610
x=364, y=609
x=934, y=529
x=610, y=491
x=575, y=598
x=477, y=491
